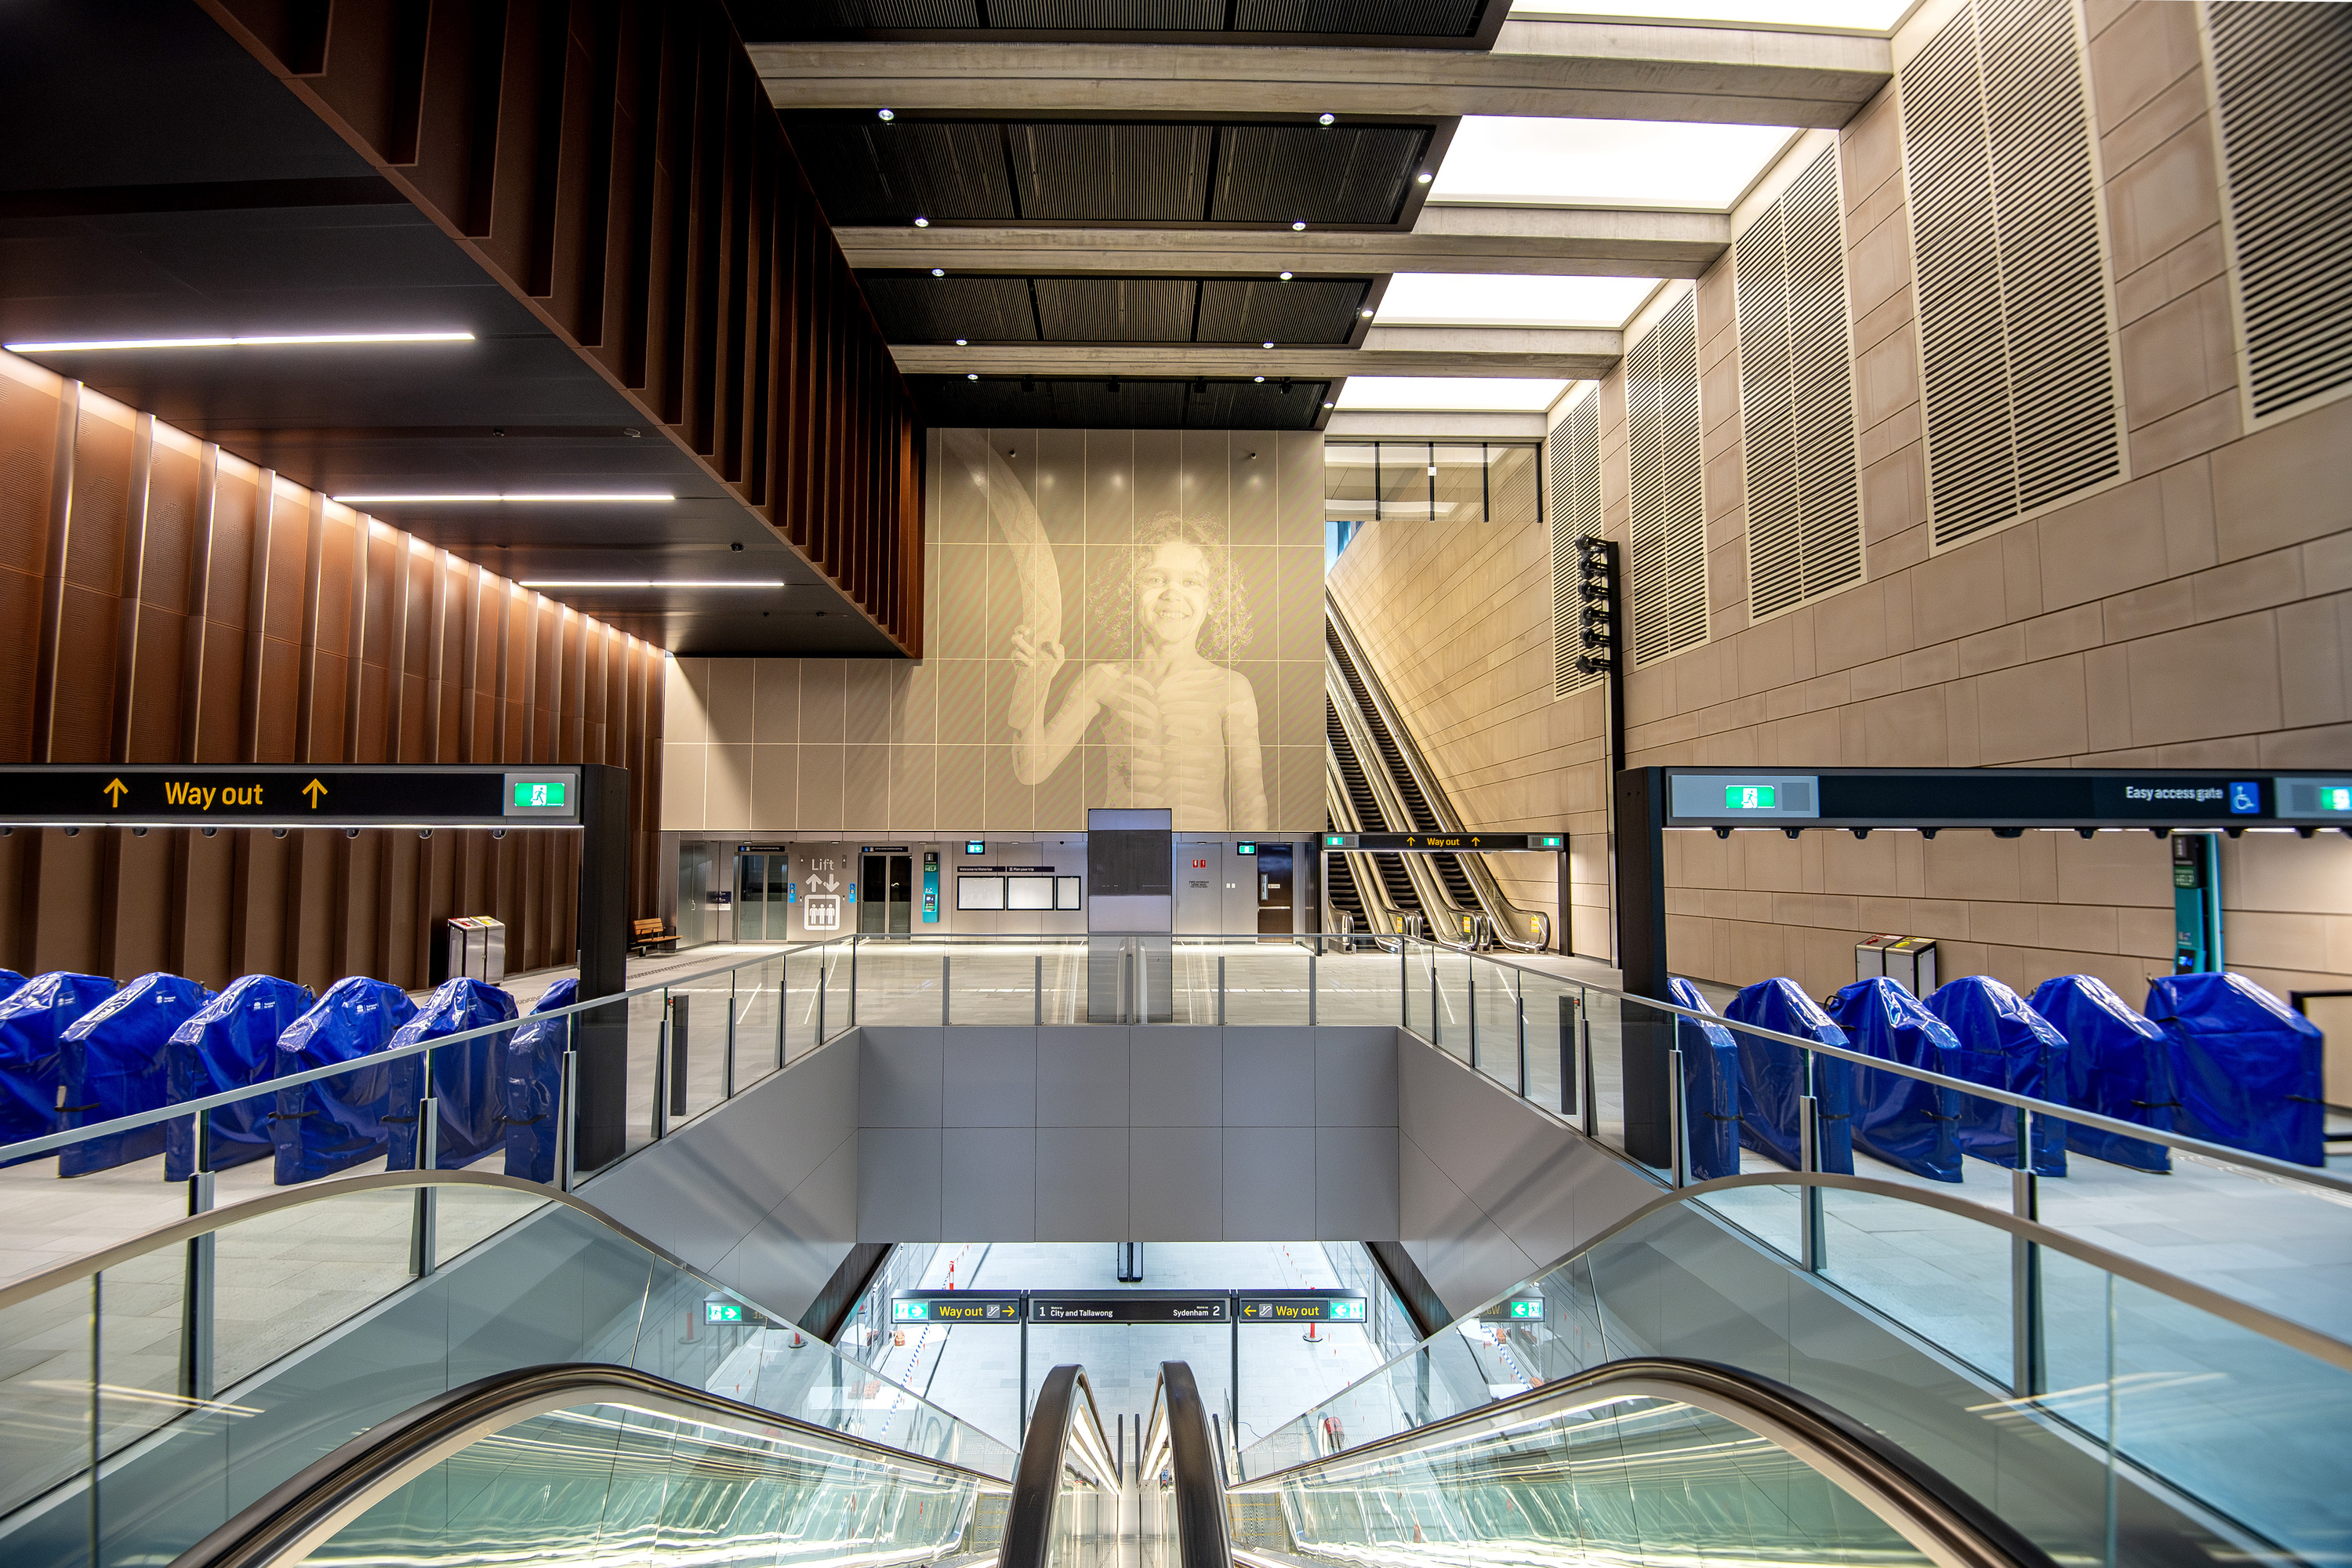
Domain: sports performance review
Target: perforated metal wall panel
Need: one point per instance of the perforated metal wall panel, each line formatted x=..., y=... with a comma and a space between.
x=2016, y=334
x=1666, y=557
x=2279, y=72
x=1324, y=174
x=1575, y=461
x=1115, y=310
x=1159, y=405
x=1095, y=173
x=1796, y=396
x=925, y=310
x=1303, y=310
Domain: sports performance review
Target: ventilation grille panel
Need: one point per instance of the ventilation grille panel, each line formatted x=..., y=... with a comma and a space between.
x=1796, y=397
x=1303, y=310
x=1575, y=461
x=2016, y=336
x=1666, y=572
x=938, y=309
x=2280, y=73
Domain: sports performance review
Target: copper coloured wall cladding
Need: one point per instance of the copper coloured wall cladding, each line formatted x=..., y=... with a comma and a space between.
x=620, y=171
x=167, y=602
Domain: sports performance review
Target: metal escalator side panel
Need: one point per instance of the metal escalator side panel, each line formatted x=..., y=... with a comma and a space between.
x=304, y=1513
x=1632, y=1415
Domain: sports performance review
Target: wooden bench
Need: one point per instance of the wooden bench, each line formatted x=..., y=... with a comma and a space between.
x=646, y=935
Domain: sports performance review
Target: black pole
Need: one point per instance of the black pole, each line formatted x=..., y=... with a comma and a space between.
x=1564, y=938
x=602, y=1035
x=1648, y=1035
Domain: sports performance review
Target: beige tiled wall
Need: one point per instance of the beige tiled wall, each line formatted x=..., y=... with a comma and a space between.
x=2199, y=614
x=910, y=747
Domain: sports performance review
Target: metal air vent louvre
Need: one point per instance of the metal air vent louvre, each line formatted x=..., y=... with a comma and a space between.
x=1796, y=397
x=2016, y=340
x=1667, y=547
x=1575, y=462
x=2279, y=75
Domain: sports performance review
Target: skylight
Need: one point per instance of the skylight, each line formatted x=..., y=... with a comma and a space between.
x=1512, y=300
x=1875, y=15
x=1450, y=394
x=1604, y=163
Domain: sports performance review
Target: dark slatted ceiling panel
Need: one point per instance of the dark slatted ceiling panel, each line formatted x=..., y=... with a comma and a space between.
x=1111, y=173
x=1115, y=310
x=1157, y=404
x=1302, y=311
x=886, y=12
x=1332, y=174
x=1421, y=18
x=871, y=172
x=940, y=309
x=1141, y=16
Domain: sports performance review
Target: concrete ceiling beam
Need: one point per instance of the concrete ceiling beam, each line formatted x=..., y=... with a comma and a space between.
x=1571, y=355
x=1575, y=69
x=1558, y=241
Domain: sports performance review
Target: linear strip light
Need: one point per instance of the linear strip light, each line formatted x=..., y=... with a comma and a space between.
x=278, y=341
x=486, y=499
x=650, y=582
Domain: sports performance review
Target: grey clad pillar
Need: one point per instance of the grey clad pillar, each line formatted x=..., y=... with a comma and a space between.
x=1648, y=1036
x=601, y=1035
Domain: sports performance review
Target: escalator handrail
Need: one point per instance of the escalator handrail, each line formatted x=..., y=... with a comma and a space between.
x=302, y=1512
x=1179, y=1429
x=1064, y=1429
x=1912, y=1496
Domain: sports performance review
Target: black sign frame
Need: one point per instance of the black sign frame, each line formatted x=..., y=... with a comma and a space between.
x=1198, y=1308
x=282, y=795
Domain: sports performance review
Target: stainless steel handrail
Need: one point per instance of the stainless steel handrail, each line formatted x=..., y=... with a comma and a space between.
x=304, y=1511
x=1949, y=1527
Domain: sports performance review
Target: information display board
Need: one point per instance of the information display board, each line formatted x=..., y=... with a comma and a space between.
x=1440, y=843
x=1128, y=1307
x=1301, y=1307
x=2003, y=798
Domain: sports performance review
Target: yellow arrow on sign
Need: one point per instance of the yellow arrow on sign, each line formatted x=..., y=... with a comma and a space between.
x=114, y=791
x=314, y=789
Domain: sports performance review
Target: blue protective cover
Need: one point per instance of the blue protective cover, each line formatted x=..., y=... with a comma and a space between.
x=337, y=1122
x=230, y=1044
x=2248, y=1066
x=534, y=1080
x=1772, y=1083
x=33, y=1021
x=113, y=1064
x=1905, y=1122
x=2117, y=1064
x=466, y=1079
x=9, y=983
x=2005, y=1044
x=1710, y=1086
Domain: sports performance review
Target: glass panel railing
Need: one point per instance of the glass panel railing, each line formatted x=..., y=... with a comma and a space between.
x=2243, y=1414
x=1637, y=1481
x=611, y=1482
x=192, y=1404
x=1267, y=982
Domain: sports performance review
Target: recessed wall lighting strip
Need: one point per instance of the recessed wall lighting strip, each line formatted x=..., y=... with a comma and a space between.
x=282, y=340
x=649, y=582
x=656, y=497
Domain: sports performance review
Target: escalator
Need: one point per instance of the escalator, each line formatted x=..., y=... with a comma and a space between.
x=1379, y=777
x=1396, y=890
x=1653, y=1462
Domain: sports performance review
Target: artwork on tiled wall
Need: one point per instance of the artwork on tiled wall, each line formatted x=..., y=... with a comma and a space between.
x=1114, y=618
